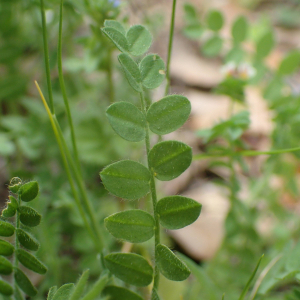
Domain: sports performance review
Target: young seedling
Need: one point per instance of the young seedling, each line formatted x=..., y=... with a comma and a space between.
x=132, y=180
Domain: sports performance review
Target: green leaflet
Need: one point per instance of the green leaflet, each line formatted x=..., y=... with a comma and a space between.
x=117, y=293
x=9, y=211
x=168, y=114
x=170, y=265
x=117, y=38
x=134, y=226
x=139, y=40
x=6, y=229
x=29, y=191
x=6, y=267
x=290, y=63
x=29, y=216
x=80, y=286
x=127, y=121
x=126, y=179
x=176, y=212
x=27, y=240
x=24, y=283
x=30, y=262
x=215, y=20
x=64, y=292
x=97, y=288
x=116, y=25
x=129, y=267
x=212, y=46
x=239, y=29
x=131, y=71
x=169, y=159
x=152, y=69
x=51, y=293
x=265, y=45
x=6, y=248
x=5, y=288
x=13, y=201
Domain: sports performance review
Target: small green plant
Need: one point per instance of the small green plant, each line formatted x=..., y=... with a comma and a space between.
x=25, y=218
x=132, y=180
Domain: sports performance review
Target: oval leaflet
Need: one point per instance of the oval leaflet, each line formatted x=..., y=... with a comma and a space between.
x=134, y=226
x=129, y=267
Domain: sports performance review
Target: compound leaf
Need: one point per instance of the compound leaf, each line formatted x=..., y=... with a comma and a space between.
x=116, y=25
x=215, y=20
x=24, y=283
x=6, y=248
x=152, y=69
x=176, y=212
x=117, y=38
x=5, y=288
x=168, y=114
x=27, y=240
x=169, y=159
x=6, y=266
x=170, y=265
x=29, y=191
x=29, y=216
x=6, y=229
x=131, y=268
x=139, y=39
x=127, y=121
x=117, y=293
x=134, y=226
x=131, y=71
x=126, y=179
x=30, y=262
x=239, y=29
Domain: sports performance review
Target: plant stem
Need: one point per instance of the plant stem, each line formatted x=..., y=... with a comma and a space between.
x=246, y=153
x=68, y=172
x=97, y=288
x=153, y=195
x=110, y=77
x=16, y=262
x=63, y=88
x=46, y=55
x=171, y=35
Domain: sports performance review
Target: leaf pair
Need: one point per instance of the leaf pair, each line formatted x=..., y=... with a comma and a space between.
x=163, y=117
x=134, y=269
x=135, y=41
x=137, y=226
x=131, y=180
x=150, y=72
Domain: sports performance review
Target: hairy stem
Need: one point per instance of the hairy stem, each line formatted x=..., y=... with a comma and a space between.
x=68, y=172
x=153, y=195
x=171, y=35
x=46, y=55
x=16, y=262
x=63, y=88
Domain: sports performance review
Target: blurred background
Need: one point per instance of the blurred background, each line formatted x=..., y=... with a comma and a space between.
x=237, y=61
